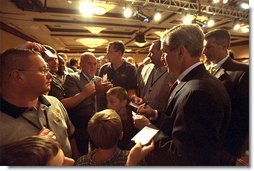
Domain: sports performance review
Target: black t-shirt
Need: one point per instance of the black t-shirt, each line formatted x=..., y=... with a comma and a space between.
x=125, y=76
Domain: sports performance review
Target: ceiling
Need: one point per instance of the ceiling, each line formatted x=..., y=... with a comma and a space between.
x=59, y=23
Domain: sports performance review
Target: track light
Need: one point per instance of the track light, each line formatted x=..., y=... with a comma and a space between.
x=142, y=17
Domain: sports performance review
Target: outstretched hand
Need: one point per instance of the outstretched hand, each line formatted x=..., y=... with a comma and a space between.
x=138, y=153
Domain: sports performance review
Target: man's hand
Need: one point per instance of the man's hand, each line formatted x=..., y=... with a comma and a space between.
x=88, y=89
x=33, y=46
x=103, y=86
x=138, y=153
x=140, y=121
x=146, y=110
x=46, y=132
x=137, y=100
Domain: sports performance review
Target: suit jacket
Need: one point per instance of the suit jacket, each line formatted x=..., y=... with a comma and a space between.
x=235, y=77
x=80, y=114
x=195, y=123
x=154, y=88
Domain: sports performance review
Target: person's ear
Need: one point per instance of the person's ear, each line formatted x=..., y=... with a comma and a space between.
x=124, y=103
x=17, y=76
x=181, y=51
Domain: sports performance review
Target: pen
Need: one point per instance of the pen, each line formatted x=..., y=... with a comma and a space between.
x=145, y=104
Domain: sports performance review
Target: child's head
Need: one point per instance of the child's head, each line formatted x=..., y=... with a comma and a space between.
x=117, y=98
x=34, y=151
x=105, y=128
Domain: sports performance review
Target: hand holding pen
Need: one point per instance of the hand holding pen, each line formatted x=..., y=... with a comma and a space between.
x=146, y=110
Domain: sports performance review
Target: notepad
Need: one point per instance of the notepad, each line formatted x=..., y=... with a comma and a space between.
x=145, y=135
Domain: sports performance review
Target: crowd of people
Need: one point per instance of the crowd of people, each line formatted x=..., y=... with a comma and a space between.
x=61, y=112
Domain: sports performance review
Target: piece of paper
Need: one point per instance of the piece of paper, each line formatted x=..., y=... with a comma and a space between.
x=133, y=113
x=105, y=78
x=145, y=135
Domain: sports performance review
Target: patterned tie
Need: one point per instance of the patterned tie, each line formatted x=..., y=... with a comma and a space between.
x=172, y=87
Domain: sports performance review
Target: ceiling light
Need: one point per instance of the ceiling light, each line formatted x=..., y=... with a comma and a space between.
x=91, y=50
x=127, y=12
x=157, y=16
x=237, y=26
x=86, y=8
x=102, y=8
x=225, y=1
x=140, y=44
x=159, y=33
x=95, y=30
x=216, y=1
x=98, y=10
x=187, y=20
x=140, y=37
x=245, y=29
x=142, y=17
x=92, y=42
x=210, y=23
x=128, y=50
x=244, y=5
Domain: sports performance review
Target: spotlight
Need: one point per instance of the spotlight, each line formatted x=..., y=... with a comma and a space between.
x=140, y=37
x=200, y=23
x=142, y=17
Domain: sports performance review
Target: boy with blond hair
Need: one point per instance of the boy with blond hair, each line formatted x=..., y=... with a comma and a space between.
x=105, y=129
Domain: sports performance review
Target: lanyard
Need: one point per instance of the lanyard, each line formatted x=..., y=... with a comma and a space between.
x=154, y=81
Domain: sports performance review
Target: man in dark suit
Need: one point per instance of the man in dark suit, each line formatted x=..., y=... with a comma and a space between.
x=235, y=77
x=87, y=83
x=154, y=79
x=193, y=127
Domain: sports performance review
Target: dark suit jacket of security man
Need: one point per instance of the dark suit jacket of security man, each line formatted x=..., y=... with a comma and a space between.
x=195, y=122
x=235, y=77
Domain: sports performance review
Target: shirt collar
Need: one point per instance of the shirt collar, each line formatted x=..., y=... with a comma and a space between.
x=220, y=62
x=87, y=78
x=187, y=71
x=123, y=64
x=15, y=111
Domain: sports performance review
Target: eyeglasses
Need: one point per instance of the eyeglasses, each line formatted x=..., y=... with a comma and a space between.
x=44, y=71
x=111, y=51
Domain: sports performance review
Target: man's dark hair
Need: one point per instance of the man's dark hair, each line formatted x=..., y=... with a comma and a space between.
x=73, y=62
x=118, y=46
x=221, y=36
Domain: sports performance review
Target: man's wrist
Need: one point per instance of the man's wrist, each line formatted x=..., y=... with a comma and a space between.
x=154, y=115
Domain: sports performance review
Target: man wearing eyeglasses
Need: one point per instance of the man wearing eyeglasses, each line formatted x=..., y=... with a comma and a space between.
x=118, y=71
x=25, y=110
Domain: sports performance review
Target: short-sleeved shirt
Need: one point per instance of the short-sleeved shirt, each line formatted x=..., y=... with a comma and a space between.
x=124, y=76
x=19, y=122
x=119, y=158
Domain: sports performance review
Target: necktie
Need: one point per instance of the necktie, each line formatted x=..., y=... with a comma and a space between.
x=173, y=86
